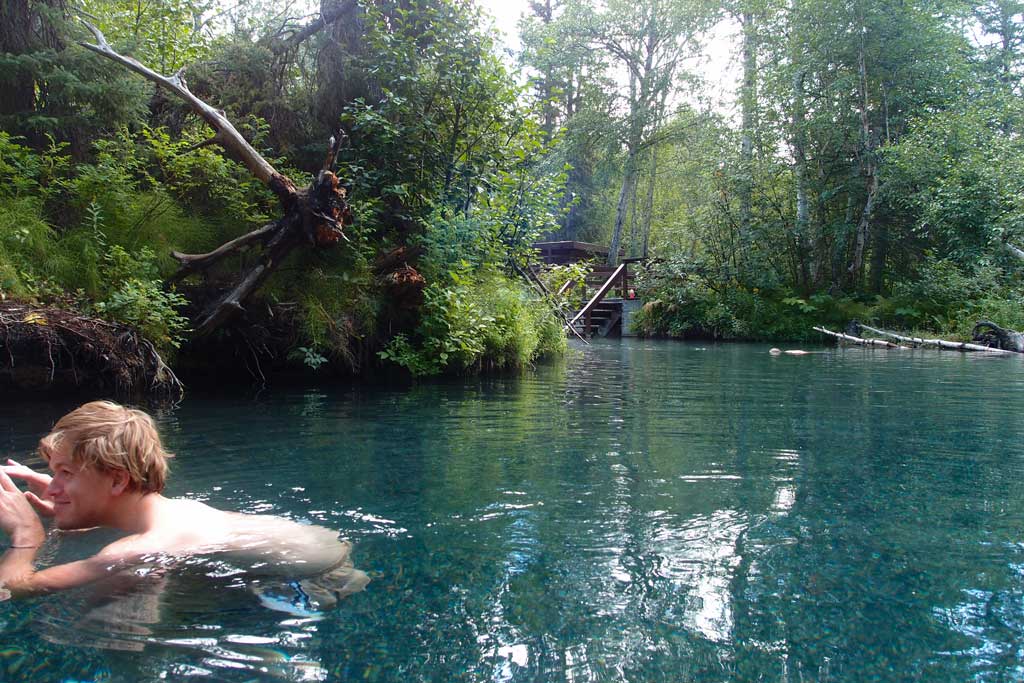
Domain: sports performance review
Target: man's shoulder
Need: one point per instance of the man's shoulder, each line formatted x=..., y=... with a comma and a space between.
x=130, y=549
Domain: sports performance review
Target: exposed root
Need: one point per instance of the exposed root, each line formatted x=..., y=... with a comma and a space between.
x=988, y=333
x=52, y=348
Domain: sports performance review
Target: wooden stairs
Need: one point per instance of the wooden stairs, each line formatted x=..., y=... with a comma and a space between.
x=602, y=314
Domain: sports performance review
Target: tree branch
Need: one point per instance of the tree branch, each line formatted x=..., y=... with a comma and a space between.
x=1013, y=249
x=312, y=28
x=226, y=134
x=279, y=247
x=190, y=263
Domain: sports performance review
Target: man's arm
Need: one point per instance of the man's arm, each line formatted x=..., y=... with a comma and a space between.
x=25, y=531
x=19, y=576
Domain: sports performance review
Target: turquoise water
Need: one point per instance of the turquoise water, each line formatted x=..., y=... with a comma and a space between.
x=645, y=511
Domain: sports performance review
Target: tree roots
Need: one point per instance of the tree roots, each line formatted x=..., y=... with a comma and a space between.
x=54, y=349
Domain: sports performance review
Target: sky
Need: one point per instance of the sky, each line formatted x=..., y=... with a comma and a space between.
x=506, y=15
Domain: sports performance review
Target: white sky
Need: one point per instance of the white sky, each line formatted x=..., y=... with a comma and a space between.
x=506, y=15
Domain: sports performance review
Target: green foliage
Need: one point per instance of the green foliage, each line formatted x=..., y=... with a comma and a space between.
x=486, y=321
x=137, y=297
x=557, y=277
x=949, y=299
x=451, y=333
x=960, y=174
x=25, y=240
x=443, y=131
x=78, y=96
x=943, y=299
x=165, y=35
x=206, y=180
x=100, y=250
x=310, y=357
x=522, y=327
x=337, y=306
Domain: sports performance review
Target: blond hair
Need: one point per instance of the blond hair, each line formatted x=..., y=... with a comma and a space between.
x=110, y=437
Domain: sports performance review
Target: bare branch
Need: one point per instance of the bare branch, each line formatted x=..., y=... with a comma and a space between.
x=312, y=28
x=200, y=145
x=285, y=239
x=226, y=134
x=1015, y=250
x=333, y=147
x=190, y=263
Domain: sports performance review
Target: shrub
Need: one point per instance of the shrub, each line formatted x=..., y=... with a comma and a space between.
x=137, y=297
x=486, y=321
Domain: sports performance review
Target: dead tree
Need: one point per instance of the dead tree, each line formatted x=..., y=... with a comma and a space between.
x=314, y=216
x=990, y=334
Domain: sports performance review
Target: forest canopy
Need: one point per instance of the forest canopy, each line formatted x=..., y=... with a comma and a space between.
x=856, y=160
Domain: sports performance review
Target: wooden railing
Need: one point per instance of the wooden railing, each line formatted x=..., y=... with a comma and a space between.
x=619, y=274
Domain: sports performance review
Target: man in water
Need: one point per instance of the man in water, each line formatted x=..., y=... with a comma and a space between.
x=109, y=469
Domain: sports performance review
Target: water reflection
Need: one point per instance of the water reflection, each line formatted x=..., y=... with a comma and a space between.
x=646, y=512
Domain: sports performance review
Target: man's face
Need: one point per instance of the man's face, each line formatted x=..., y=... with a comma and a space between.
x=81, y=495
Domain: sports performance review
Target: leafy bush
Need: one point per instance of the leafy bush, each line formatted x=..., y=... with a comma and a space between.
x=944, y=299
x=450, y=334
x=137, y=297
x=25, y=242
x=684, y=299
x=487, y=321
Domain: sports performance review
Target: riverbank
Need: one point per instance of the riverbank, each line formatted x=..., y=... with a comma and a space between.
x=696, y=308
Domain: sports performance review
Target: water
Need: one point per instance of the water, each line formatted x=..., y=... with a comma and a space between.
x=646, y=511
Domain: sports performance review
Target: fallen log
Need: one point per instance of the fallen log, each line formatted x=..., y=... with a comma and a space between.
x=859, y=340
x=994, y=336
x=316, y=215
x=940, y=343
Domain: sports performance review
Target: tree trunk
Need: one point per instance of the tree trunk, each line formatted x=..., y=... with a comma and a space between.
x=879, y=254
x=940, y=343
x=622, y=208
x=863, y=231
x=25, y=27
x=649, y=203
x=802, y=225
x=748, y=105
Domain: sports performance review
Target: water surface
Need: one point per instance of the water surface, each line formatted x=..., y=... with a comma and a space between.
x=644, y=511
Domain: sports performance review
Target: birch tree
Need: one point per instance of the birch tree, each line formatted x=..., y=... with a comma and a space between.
x=647, y=41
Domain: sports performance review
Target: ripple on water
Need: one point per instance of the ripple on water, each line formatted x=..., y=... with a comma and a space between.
x=645, y=511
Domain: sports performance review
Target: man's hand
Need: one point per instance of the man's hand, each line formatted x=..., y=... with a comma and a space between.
x=17, y=517
x=37, y=483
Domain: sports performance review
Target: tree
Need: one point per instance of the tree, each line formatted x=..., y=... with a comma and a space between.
x=843, y=81
x=571, y=93
x=1002, y=22
x=52, y=91
x=648, y=40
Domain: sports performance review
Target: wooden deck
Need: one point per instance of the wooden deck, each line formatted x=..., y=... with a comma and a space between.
x=563, y=253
